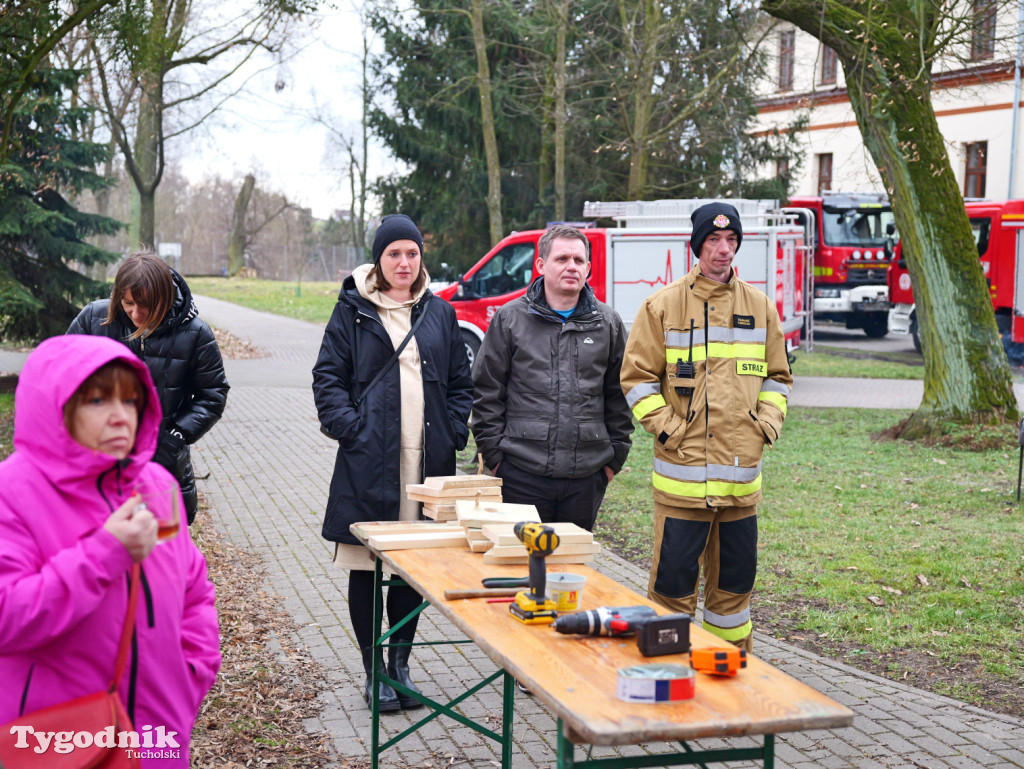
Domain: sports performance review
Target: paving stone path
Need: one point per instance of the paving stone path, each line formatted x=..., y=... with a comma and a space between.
x=269, y=470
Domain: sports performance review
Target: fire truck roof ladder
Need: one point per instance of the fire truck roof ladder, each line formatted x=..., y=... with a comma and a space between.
x=671, y=213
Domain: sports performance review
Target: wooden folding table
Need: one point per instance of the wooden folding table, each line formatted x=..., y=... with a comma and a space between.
x=576, y=677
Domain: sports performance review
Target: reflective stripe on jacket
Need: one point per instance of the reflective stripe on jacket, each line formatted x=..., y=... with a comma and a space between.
x=708, y=442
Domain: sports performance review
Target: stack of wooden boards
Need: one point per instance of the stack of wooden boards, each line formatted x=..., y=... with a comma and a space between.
x=440, y=493
x=479, y=519
x=473, y=516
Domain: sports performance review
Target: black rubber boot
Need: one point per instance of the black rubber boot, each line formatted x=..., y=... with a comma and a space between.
x=398, y=669
x=388, y=698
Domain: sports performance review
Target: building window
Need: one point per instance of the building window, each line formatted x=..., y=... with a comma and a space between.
x=824, y=172
x=983, y=38
x=829, y=65
x=786, y=46
x=974, y=178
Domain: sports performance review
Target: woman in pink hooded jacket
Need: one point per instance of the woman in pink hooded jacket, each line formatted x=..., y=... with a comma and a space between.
x=71, y=526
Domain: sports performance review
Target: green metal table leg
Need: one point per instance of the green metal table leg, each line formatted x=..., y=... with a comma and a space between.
x=769, y=751
x=508, y=695
x=566, y=750
x=375, y=663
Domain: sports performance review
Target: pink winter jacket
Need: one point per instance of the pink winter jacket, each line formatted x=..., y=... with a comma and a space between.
x=64, y=579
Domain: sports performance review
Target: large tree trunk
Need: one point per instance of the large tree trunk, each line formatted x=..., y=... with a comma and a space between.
x=967, y=377
x=487, y=123
x=236, y=238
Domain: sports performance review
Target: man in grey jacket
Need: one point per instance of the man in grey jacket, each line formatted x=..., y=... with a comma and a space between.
x=549, y=416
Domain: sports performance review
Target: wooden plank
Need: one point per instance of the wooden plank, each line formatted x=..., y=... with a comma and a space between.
x=460, y=481
x=568, y=533
x=375, y=528
x=585, y=548
x=448, y=500
x=417, y=490
x=414, y=540
x=440, y=507
x=576, y=676
x=513, y=560
x=439, y=515
x=476, y=535
x=474, y=515
x=480, y=545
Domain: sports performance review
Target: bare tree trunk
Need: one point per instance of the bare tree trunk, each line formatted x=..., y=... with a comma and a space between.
x=967, y=378
x=487, y=124
x=360, y=219
x=642, y=67
x=560, y=116
x=147, y=162
x=236, y=238
x=544, y=162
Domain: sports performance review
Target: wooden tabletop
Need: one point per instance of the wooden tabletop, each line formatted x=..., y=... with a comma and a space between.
x=577, y=676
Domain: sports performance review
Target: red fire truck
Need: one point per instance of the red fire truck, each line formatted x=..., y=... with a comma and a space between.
x=996, y=225
x=854, y=237
x=647, y=251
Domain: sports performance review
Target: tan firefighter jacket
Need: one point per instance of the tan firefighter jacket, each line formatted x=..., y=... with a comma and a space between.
x=710, y=428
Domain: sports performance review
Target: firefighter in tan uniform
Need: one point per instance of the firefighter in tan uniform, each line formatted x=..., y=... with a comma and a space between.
x=706, y=372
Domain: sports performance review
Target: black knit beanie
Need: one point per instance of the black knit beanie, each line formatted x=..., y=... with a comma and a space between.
x=711, y=217
x=395, y=227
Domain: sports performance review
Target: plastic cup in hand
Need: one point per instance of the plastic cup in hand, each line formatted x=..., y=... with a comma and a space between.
x=164, y=506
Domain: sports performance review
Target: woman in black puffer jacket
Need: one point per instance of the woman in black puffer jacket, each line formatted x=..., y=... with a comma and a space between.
x=152, y=312
x=392, y=430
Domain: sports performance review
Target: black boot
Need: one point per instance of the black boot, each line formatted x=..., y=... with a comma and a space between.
x=388, y=698
x=398, y=669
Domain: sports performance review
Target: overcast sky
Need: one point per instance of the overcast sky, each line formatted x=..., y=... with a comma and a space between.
x=270, y=132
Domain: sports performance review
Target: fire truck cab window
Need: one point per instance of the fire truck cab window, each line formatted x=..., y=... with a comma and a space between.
x=981, y=229
x=507, y=271
x=856, y=227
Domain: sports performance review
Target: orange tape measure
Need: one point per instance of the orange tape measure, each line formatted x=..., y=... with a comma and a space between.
x=719, y=660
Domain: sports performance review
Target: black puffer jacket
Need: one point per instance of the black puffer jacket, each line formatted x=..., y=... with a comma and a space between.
x=365, y=484
x=188, y=371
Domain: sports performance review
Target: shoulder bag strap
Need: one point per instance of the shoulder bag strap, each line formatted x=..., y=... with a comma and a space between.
x=129, y=626
x=387, y=366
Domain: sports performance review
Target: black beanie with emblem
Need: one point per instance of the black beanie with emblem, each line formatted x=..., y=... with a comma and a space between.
x=711, y=217
x=395, y=227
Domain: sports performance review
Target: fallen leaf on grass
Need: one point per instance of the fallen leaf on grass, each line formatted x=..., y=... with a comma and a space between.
x=922, y=580
x=875, y=600
x=965, y=582
x=892, y=590
x=938, y=461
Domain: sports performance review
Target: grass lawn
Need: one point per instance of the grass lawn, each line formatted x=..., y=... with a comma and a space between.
x=6, y=423
x=898, y=558
x=311, y=301
x=861, y=364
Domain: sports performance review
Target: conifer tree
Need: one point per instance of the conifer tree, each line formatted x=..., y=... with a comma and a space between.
x=42, y=234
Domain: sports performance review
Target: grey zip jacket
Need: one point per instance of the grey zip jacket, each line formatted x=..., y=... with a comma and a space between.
x=547, y=395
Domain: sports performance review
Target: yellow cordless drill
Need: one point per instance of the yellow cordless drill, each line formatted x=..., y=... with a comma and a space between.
x=533, y=606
